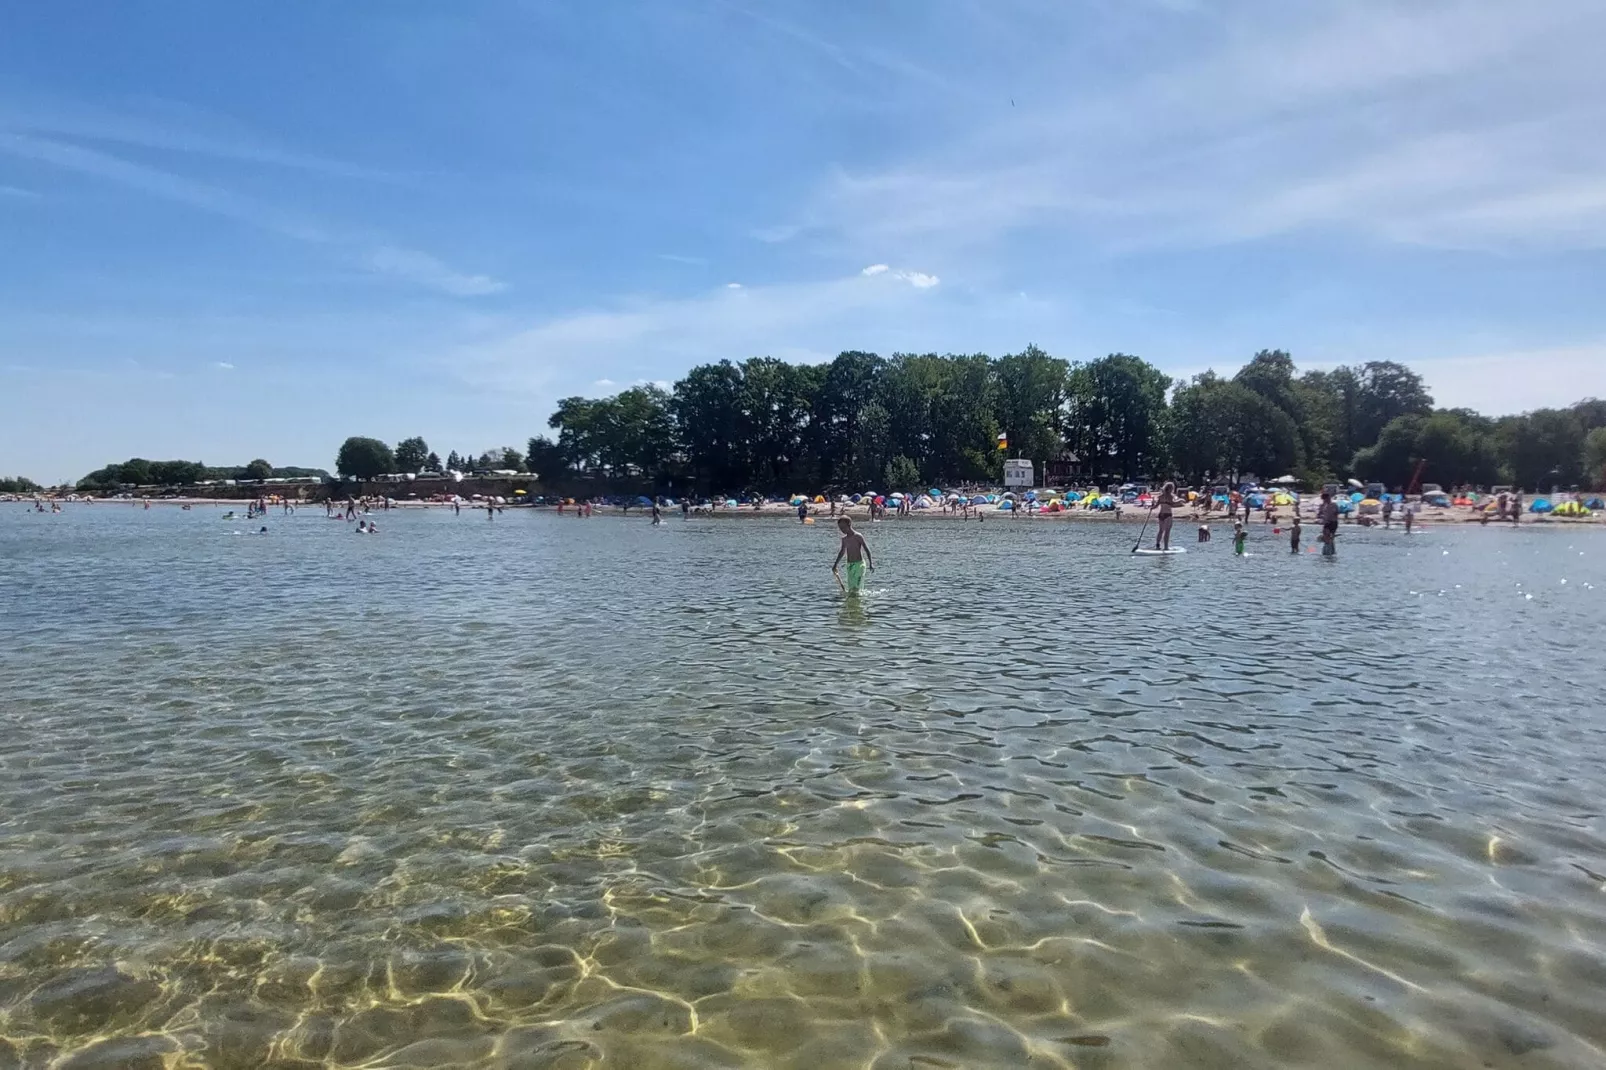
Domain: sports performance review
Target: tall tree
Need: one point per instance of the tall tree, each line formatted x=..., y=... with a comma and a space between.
x=364, y=458
x=1223, y=429
x=1117, y=414
x=1030, y=399
x=412, y=454
x=433, y=462
x=257, y=470
x=1594, y=459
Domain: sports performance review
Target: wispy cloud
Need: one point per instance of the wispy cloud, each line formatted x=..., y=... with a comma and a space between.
x=223, y=365
x=1457, y=123
x=425, y=270
x=799, y=321
x=168, y=125
x=389, y=260
x=676, y=258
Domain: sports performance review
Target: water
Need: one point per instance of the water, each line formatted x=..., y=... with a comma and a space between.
x=544, y=792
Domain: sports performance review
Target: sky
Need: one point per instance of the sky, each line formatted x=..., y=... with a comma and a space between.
x=251, y=229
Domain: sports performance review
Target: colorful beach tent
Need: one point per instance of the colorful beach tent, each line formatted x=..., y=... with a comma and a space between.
x=1541, y=505
x=1595, y=503
x=1441, y=501
x=1571, y=509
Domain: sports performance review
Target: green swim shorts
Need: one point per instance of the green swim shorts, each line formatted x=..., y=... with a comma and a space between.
x=855, y=575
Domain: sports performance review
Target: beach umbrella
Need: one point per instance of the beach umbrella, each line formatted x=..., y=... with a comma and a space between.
x=1283, y=481
x=1357, y=484
x=934, y=492
x=1357, y=496
x=895, y=495
x=520, y=493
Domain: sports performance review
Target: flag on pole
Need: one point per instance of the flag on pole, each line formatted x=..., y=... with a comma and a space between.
x=1003, y=441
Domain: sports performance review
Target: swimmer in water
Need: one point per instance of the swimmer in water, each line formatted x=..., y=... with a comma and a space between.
x=857, y=551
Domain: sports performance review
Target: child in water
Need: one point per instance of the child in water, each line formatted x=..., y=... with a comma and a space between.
x=1204, y=532
x=857, y=551
x=1239, y=537
x=1293, y=536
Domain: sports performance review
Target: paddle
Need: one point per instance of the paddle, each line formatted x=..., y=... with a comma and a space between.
x=838, y=577
x=1137, y=545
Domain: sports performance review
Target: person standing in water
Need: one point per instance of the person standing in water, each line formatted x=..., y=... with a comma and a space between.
x=802, y=511
x=657, y=514
x=1165, y=503
x=1327, y=513
x=1410, y=518
x=857, y=551
x=1293, y=536
x=1239, y=537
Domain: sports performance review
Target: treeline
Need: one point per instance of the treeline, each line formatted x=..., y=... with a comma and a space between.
x=911, y=420
x=364, y=458
x=18, y=485
x=136, y=471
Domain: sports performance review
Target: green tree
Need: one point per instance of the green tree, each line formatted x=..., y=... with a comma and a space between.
x=1221, y=428
x=546, y=459
x=412, y=454
x=1543, y=448
x=364, y=458
x=1117, y=414
x=707, y=406
x=18, y=485
x=454, y=463
x=257, y=470
x=902, y=474
x=1594, y=459
x=433, y=462
x=511, y=459
x=137, y=470
x=1029, y=395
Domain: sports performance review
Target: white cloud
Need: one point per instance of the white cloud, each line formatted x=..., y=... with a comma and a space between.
x=875, y=269
x=919, y=279
x=414, y=266
x=604, y=383
x=676, y=258
x=408, y=264
x=1457, y=123
x=223, y=364
x=799, y=321
x=1516, y=380
x=733, y=286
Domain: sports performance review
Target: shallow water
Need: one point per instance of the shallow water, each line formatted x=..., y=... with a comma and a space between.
x=543, y=792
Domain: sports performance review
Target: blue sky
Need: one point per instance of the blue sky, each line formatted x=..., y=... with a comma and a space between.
x=250, y=229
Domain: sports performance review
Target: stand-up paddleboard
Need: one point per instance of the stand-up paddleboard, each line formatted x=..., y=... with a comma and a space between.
x=1151, y=552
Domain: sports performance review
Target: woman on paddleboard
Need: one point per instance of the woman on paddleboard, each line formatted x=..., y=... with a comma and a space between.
x=1165, y=503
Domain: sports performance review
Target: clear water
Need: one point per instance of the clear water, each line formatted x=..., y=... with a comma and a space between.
x=544, y=792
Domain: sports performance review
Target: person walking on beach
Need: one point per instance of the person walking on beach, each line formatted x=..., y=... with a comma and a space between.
x=1165, y=503
x=857, y=551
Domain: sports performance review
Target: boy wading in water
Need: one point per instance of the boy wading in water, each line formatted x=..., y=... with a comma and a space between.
x=857, y=551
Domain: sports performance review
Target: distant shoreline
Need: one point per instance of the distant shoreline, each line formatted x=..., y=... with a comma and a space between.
x=779, y=511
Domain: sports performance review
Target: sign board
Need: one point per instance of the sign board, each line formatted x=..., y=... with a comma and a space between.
x=1019, y=473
